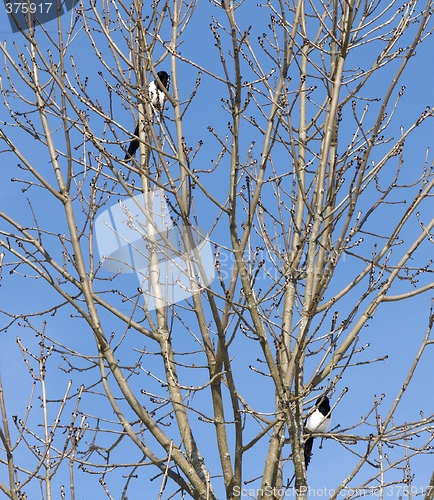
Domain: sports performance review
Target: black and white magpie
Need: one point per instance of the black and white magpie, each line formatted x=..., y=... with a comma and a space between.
x=156, y=97
x=318, y=421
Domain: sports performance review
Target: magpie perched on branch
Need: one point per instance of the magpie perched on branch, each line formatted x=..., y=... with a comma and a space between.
x=156, y=98
x=318, y=421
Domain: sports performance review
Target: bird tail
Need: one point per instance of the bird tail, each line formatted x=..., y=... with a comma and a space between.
x=134, y=145
x=308, y=451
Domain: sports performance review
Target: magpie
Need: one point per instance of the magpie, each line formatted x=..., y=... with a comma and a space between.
x=156, y=98
x=318, y=421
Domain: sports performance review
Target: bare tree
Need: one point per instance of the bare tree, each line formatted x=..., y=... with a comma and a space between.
x=167, y=353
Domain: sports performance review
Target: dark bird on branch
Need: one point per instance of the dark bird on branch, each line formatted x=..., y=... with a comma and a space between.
x=156, y=98
x=318, y=421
